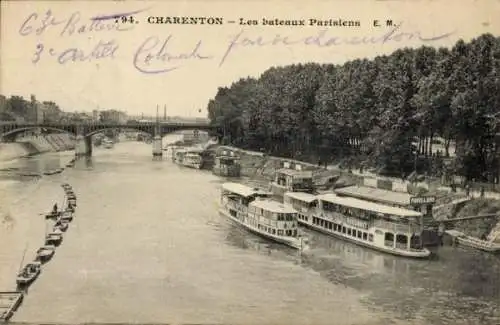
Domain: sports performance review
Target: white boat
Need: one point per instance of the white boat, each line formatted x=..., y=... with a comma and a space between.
x=257, y=212
x=473, y=242
x=384, y=228
x=45, y=253
x=193, y=160
x=28, y=274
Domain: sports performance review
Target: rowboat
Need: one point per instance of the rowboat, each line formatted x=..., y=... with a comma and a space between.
x=45, y=253
x=66, y=217
x=61, y=225
x=29, y=273
x=53, y=215
x=473, y=242
x=53, y=238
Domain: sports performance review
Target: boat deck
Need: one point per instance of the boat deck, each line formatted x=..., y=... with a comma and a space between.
x=9, y=301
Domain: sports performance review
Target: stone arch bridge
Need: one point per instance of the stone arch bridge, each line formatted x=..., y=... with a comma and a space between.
x=84, y=131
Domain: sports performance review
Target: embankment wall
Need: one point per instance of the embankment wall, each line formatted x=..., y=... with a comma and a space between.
x=32, y=145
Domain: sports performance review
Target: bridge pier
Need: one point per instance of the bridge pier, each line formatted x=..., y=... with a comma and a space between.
x=88, y=146
x=80, y=148
x=157, y=147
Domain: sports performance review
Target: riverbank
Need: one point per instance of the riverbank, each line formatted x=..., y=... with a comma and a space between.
x=32, y=145
x=259, y=167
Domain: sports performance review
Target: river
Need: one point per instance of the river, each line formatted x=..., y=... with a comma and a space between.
x=148, y=246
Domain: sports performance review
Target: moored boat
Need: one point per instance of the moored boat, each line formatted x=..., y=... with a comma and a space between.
x=66, y=217
x=45, y=253
x=473, y=242
x=28, y=274
x=257, y=212
x=61, y=225
x=53, y=238
x=384, y=228
x=227, y=166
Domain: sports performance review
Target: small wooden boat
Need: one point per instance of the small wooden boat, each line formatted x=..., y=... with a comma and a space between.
x=9, y=302
x=53, y=215
x=61, y=225
x=472, y=242
x=66, y=217
x=45, y=253
x=29, y=273
x=54, y=238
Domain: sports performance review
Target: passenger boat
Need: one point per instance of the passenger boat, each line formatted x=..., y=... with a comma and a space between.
x=473, y=242
x=45, y=253
x=384, y=228
x=255, y=211
x=227, y=166
x=29, y=273
x=53, y=238
x=192, y=159
x=292, y=180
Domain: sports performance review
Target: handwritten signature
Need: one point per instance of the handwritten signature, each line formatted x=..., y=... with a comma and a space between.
x=74, y=24
x=153, y=51
x=322, y=40
x=103, y=49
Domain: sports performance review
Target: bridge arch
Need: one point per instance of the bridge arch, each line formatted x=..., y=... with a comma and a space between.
x=13, y=132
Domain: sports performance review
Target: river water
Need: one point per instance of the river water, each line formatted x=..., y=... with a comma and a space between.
x=148, y=246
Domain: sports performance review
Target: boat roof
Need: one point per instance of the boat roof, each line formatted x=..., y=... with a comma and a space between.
x=294, y=172
x=301, y=196
x=368, y=206
x=272, y=206
x=376, y=194
x=241, y=189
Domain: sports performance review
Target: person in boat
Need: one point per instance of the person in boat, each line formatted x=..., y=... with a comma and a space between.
x=54, y=209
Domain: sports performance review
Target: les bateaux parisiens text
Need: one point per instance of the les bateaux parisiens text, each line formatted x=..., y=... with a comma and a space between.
x=156, y=54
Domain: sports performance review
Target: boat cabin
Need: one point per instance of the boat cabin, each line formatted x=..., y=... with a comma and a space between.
x=273, y=217
x=291, y=180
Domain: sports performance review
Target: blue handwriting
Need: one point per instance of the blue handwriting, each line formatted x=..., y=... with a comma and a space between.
x=103, y=49
x=153, y=51
x=72, y=25
x=322, y=40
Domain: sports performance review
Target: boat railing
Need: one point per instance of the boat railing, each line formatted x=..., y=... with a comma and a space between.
x=395, y=227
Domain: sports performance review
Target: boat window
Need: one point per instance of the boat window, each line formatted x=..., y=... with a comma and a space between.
x=389, y=239
x=274, y=231
x=370, y=237
x=349, y=231
x=295, y=233
x=415, y=242
x=365, y=235
x=344, y=230
x=360, y=234
x=330, y=225
x=307, y=218
x=280, y=232
x=401, y=241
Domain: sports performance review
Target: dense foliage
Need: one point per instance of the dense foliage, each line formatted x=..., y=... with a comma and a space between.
x=387, y=112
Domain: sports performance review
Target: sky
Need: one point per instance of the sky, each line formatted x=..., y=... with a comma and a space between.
x=69, y=53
